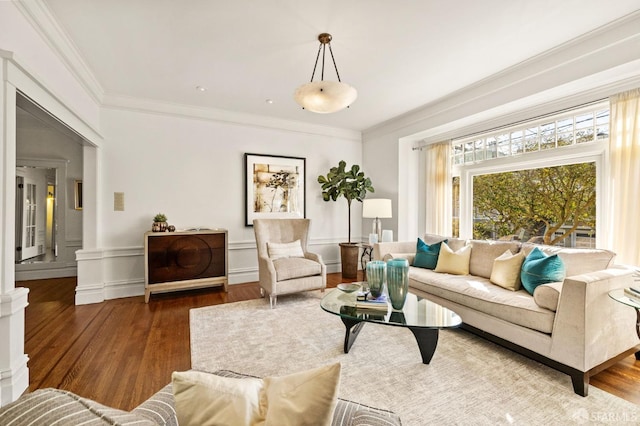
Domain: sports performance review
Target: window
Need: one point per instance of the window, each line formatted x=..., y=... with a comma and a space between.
x=571, y=128
x=536, y=181
x=549, y=205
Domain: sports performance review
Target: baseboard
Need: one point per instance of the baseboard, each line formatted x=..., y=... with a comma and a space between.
x=14, y=382
x=45, y=273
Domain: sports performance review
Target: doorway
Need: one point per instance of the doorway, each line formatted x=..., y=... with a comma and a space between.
x=36, y=218
x=48, y=228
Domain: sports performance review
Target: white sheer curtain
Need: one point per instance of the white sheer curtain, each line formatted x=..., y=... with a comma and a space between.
x=438, y=188
x=624, y=155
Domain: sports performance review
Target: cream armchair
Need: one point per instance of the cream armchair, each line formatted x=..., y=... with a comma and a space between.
x=284, y=264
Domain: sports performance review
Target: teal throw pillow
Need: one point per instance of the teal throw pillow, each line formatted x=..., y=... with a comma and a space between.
x=538, y=269
x=427, y=255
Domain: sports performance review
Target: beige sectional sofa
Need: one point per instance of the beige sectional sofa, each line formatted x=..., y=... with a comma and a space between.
x=573, y=325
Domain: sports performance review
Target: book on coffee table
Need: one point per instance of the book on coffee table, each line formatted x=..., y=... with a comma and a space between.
x=376, y=304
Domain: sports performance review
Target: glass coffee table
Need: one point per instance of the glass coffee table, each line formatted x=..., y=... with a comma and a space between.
x=619, y=296
x=423, y=317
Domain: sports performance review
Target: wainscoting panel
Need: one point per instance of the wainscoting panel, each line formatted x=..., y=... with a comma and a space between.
x=113, y=273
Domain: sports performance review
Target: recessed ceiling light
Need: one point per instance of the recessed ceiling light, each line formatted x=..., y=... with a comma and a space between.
x=269, y=101
x=201, y=88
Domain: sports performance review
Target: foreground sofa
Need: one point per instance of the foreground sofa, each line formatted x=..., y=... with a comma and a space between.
x=572, y=325
x=55, y=406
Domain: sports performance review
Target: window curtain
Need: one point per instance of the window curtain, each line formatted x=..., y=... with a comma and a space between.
x=624, y=163
x=438, y=188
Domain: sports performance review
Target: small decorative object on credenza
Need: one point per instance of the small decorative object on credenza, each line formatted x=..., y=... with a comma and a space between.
x=159, y=223
x=376, y=272
x=398, y=282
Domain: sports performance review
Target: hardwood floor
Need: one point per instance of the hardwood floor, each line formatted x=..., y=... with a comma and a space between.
x=122, y=351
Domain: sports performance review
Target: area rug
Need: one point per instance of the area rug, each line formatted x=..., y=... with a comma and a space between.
x=469, y=380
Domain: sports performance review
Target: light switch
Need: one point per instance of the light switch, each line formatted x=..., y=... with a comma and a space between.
x=118, y=201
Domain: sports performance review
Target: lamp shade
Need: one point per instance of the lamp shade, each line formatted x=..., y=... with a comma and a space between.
x=376, y=207
x=325, y=96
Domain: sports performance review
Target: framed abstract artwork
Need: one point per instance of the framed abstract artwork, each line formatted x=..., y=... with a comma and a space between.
x=274, y=187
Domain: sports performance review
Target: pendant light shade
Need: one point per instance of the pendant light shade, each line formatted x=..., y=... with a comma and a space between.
x=325, y=96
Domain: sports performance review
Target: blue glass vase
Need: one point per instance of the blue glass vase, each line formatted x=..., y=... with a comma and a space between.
x=398, y=282
x=376, y=271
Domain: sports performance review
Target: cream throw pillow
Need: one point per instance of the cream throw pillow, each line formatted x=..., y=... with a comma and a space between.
x=304, y=398
x=506, y=270
x=548, y=295
x=279, y=250
x=453, y=262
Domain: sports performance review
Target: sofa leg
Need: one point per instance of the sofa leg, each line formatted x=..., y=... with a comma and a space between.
x=580, y=383
x=272, y=300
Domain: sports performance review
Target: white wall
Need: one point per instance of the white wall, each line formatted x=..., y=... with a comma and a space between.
x=191, y=169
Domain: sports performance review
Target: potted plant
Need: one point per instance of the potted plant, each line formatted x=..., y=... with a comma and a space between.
x=351, y=184
x=159, y=223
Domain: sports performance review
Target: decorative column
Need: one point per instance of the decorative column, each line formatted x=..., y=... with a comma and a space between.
x=14, y=373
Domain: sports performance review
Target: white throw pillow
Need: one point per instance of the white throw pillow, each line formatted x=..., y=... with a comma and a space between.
x=280, y=250
x=453, y=262
x=506, y=270
x=303, y=398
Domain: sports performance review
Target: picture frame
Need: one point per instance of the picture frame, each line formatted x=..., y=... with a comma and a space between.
x=274, y=187
x=78, y=194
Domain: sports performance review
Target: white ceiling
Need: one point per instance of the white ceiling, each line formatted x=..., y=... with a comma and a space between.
x=399, y=54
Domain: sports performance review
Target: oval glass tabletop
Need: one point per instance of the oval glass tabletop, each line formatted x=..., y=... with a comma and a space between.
x=417, y=311
x=619, y=295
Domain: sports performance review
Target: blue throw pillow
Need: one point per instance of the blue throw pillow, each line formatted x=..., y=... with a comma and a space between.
x=427, y=255
x=538, y=268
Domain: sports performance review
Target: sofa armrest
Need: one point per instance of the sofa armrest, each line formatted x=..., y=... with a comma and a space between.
x=381, y=249
x=160, y=408
x=590, y=327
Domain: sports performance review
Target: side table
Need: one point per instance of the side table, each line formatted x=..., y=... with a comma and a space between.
x=619, y=296
x=366, y=256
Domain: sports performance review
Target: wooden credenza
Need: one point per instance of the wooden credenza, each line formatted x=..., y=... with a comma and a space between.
x=184, y=260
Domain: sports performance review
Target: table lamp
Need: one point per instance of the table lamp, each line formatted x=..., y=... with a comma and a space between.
x=376, y=208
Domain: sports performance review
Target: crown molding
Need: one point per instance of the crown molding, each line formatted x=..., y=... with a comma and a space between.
x=604, y=49
x=123, y=102
x=44, y=22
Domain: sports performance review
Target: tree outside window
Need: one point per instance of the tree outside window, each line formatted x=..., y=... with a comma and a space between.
x=550, y=205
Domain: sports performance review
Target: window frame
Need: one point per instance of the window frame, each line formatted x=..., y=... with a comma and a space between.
x=594, y=151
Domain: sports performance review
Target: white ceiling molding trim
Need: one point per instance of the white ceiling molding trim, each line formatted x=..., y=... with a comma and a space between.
x=31, y=86
x=605, y=48
x=575, y=93
x=41, y=18
x=227, y=116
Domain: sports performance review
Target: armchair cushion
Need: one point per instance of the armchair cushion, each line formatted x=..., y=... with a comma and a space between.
x=288, y=268
x=279, y=250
